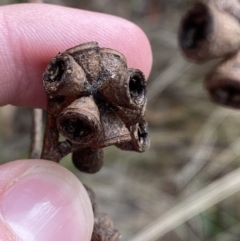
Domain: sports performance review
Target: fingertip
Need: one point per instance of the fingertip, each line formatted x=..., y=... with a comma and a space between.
x=51, y=202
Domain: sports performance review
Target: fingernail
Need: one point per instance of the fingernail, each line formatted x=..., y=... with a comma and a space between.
x=41, y=206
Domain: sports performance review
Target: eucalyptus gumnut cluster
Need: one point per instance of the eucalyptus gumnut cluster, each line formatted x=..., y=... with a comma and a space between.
x=94, y=101
x=211, y=30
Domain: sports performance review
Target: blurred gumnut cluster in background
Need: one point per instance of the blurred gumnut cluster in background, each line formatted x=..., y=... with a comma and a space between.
x=211, y=30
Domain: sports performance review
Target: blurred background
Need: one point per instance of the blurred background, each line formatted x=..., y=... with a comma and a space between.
x=193, y=142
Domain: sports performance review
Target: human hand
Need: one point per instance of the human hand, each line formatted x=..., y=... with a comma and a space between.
x=40, y=200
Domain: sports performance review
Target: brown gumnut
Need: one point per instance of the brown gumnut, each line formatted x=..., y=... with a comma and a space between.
x=87, y=160
x=64, y=77
x=223, y=83
x=119, y=85
x=64, y=81
x=113, y=129
x=139, y=141
x=87, y=56
x=103, y=229
x=94, y=100
x=210, y=29
x=80, y=122
x=131, y=117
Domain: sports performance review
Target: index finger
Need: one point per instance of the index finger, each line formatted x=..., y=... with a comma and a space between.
x=32, y=34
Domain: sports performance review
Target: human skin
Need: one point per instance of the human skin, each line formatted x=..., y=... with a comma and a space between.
x=40, y=200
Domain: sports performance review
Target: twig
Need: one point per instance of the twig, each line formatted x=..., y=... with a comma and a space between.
x=176, y=68
x=188, y=233
x=36, y=135
x=223, y=159
x=201, y=151
x=187, y=209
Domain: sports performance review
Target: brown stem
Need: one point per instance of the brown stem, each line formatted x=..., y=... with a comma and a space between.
x=103, y=229
x=51, y=135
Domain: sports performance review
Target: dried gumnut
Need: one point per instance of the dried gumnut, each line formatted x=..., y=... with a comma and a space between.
x=64, y=77
x=129, y=91
x=140, y=137
x=87, y=160
x=58, y=103
x=80, y=121
x=112, y=66
x=103, y=229
x=64, y=81
x=88, y=57
x=113, y=129
x=210, y=30
x=131, y=117
x=140, y=141
x=94, y=100
x=223, y=83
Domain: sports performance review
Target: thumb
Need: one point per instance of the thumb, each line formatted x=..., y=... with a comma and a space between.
x=40, y=200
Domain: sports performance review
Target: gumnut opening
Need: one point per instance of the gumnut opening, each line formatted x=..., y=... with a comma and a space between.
x=140, y=140
x=129, y=91
x=195, y=28
x=223, y=83
x=64, y=77
x=227, y=94
x=137, y=88
x=80, y=121
x=206, y=33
